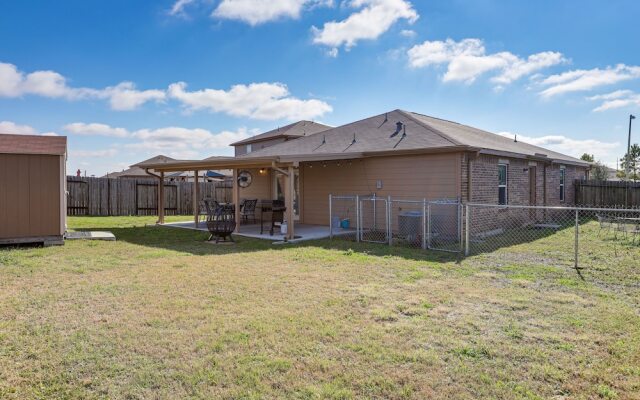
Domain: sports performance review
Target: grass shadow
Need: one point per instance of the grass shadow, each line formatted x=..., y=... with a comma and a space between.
x=195, y=243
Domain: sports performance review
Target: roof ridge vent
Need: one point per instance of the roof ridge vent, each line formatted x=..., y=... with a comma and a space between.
x=354, y=138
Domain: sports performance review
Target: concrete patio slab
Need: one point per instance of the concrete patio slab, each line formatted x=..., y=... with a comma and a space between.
x=303, y=231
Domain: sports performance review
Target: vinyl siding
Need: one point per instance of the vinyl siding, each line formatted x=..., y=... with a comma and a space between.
x=433, y=176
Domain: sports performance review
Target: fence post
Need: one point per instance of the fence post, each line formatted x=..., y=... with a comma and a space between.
x=357, y=218
x=330, y=217
x=466, y=230
x=424, y=223
x=428, y=225
x=389, y=232
x=576, y=239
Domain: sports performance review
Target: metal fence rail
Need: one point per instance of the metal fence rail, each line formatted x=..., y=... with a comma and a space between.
x=553, y=233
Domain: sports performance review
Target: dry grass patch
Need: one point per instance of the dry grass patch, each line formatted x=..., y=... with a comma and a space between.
x=160, y=314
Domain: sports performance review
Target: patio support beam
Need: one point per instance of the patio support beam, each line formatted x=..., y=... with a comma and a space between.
x=289, y=197
x=236, y=199
x=196, y=194
x=161, y=198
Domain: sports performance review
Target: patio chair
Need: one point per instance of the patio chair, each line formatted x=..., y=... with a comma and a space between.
x=211, y=207
x=248, y=210
x=605, y=221
x=222, y=225
x=203, y=208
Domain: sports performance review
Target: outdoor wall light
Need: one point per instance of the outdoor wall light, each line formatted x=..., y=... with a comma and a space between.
x=262, y=171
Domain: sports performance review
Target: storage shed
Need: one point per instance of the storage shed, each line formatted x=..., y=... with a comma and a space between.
x=32, y=189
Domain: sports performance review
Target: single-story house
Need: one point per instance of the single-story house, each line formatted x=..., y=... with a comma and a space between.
x=32, y=189
x=398, y=153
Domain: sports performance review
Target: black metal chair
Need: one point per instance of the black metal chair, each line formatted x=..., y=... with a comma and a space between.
x=222, y=225
x=248, y=210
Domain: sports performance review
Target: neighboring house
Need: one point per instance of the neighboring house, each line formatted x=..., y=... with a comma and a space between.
x=400, y=154
x=612, y=174
x=136, y=172
x=277, y=136
x=32, y=189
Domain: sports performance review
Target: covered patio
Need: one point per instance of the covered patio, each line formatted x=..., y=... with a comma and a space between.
x=265, y=169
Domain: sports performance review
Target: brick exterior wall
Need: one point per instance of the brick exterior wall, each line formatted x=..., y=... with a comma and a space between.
x=484, y=181
x=484, y=190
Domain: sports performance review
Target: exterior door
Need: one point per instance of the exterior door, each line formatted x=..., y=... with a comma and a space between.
x=279, y=180
x=532, y=186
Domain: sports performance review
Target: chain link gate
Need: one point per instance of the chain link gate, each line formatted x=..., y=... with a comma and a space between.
x=373, y=226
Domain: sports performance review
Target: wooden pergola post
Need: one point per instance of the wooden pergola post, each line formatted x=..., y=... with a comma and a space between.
x=236, y=199
x=161, y=198
x=196, y=195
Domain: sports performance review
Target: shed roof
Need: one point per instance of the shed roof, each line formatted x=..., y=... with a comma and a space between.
x=33, y=144
x=297, y=129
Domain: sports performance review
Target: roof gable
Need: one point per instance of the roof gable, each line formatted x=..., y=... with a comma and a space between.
x=377, y=133
x=297, y=129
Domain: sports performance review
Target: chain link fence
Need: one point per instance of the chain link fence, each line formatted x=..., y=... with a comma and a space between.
x=550, y=234
x=522, y=233
x=425, y=224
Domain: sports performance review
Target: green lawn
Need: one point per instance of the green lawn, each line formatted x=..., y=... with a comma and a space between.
x=162, y=314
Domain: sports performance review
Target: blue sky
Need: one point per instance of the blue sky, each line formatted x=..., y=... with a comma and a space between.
x=126, y=80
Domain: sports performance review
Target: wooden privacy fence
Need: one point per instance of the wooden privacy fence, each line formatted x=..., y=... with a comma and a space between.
x=607, y=193
x=127, y=196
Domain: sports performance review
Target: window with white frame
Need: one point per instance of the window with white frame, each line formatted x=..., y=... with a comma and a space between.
x=503, y=195
x=248, y=148
x=562, y=179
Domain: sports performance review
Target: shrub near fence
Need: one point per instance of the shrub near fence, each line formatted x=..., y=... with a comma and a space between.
x=127, y=196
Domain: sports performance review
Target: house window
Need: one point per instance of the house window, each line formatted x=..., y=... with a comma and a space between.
x=503, y=196
x=248, y=148
x=562, y=178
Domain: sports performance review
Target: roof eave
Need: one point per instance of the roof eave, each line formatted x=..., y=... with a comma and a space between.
x=533, y=157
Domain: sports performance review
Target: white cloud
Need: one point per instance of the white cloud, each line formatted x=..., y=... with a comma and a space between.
x=604, y=151
x=178, y=7
x=184, y=143
x=333, y=53
x=408, y=33
x=585, y=80
x=81, y=128
x=617, y=99
x=16, y=129
x=124, y=96
x=256, y=12
x=468, y=59
x=266, y=101
x=373, y=18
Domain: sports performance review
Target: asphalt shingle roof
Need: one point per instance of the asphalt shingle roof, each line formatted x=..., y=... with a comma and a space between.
x=33, y=144
x=401, y=130
x=297, y=129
